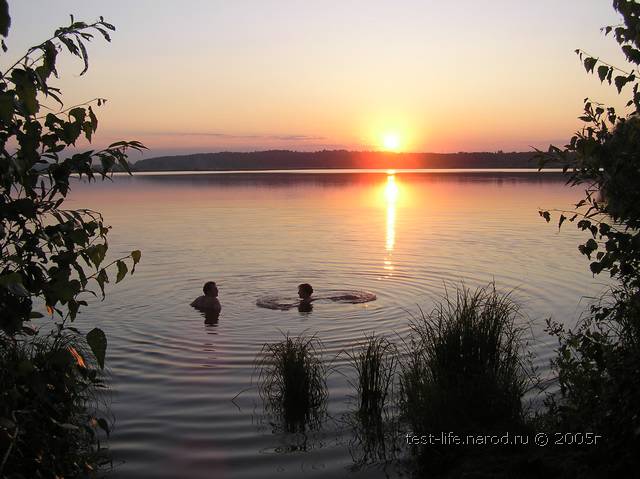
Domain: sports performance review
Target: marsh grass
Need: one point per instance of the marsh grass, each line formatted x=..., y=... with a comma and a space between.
x=465, y=369
x=375, y=364
x=292, y=382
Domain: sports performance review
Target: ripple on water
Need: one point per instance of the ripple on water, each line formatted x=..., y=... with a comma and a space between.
x=338, y=296
x=184, y=393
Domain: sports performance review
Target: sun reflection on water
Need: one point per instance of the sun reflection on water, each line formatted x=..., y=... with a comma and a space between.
x=391, y=196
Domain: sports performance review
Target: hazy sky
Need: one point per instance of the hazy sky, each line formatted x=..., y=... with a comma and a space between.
x=470, y=75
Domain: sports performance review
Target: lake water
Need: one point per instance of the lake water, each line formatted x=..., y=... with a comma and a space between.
x=184, y=396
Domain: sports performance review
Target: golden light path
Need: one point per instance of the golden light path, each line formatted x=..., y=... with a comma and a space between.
x=391, y=196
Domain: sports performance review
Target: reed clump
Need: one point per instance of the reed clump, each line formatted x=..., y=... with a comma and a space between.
x=292, y=381
x=375, y=363
x=465, y=369
x=373, y=424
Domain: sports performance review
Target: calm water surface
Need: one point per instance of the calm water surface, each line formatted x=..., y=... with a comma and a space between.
x=404, y=237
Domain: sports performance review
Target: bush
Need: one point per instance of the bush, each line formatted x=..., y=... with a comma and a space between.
x=597, y=362
x=49, y=396
x=598, y=367
x=47, y=251
x=50, y=256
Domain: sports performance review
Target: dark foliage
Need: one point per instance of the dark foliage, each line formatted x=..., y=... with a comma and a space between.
x=50, y=257
x=46, y=249
x=598, y=362
x=49, y=401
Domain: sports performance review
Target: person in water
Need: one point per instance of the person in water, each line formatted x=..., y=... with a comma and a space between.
x=305, y=290
x=209, y=302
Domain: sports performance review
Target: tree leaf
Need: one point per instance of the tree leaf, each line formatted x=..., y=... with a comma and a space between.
x=78, y=114
x=93, y=119
x=97, y=253
x=620, y=82
x=602, y=72
x=122, y=271
x=546, y=215
x=135, y=255
x=97, y=341
x=562, y=218
x=590, y=63
x=6, y=106
x=26, y=90
x=102, y=278
x=5, y=19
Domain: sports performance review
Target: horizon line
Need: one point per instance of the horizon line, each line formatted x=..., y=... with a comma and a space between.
x=280, y=150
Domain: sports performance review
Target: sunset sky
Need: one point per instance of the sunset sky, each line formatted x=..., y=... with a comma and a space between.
x=199, y=76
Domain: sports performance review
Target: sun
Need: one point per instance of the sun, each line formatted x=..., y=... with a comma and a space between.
x=391, y=141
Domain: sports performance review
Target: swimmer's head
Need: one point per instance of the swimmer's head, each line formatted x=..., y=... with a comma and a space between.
x=305, y=291
x=210, y=289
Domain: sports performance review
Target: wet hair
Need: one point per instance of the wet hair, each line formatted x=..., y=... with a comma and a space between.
x=207, y=286
x=306, y=289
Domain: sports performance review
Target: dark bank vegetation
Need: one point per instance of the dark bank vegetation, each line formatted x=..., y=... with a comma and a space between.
x=53, y=260
x=51, y=392
x=598, y=363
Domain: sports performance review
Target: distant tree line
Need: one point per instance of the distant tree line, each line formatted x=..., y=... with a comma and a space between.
x=332, y=159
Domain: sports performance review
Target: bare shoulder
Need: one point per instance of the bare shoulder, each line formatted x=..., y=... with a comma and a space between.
x=197, y=303
x=207, y=302
x=216, y=305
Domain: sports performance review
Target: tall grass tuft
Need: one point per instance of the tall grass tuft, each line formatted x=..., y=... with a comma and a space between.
x=292, y=381
x=375, y=364
x=465, y=370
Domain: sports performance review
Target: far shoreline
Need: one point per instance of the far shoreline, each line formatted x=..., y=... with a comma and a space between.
x=335, y=171
x=331, y=160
